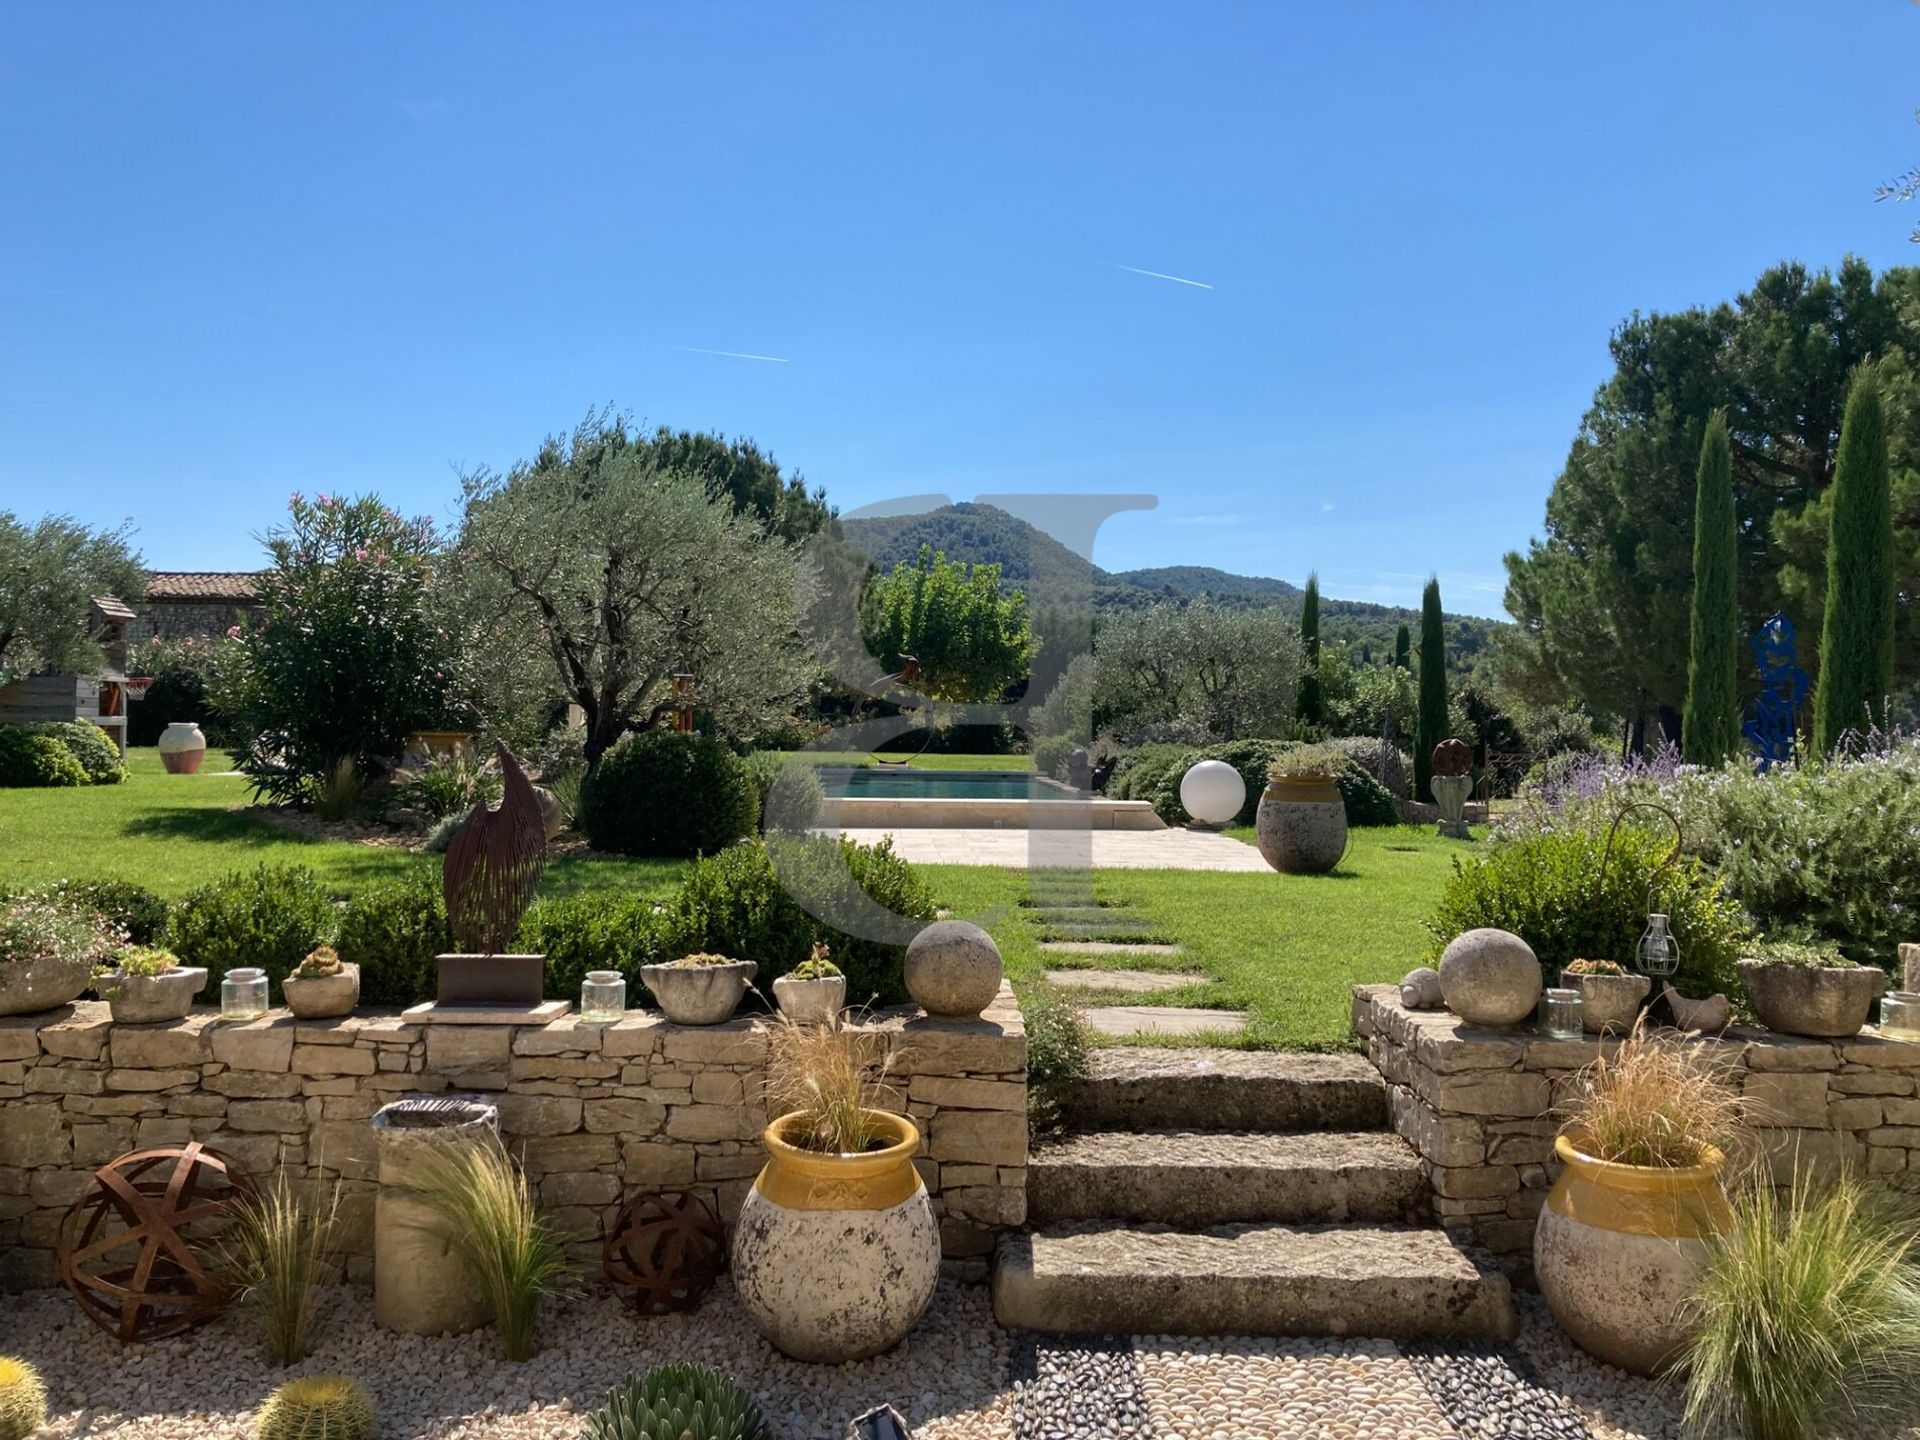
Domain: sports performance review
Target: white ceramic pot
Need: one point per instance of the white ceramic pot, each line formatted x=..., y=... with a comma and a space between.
x=321, y=997
x=811, y=1002
x=1301, y=826
x=835, y=1257
x=699, y=994
x=182, y=747
x=145, y=999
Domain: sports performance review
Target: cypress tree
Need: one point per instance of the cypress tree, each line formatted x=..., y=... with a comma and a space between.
x=1710, y=724
x=1430, y=726
x=1403, y=648
x=1856, y=635
x=1310, y=705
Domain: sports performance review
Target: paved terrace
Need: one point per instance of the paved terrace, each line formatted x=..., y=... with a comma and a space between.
x=1172, y=849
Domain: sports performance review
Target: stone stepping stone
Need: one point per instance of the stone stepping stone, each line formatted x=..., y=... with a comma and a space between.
x=1105, y=947
x=1133, y=982
x=1161, y=1020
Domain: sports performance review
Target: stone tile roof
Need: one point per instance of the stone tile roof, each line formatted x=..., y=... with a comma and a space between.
x=196, y=586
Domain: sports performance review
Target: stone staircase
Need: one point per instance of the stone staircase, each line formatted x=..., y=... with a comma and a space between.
x=1226, y=1192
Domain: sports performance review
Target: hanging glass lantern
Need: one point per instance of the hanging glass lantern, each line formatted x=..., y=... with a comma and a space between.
x=1658, y=952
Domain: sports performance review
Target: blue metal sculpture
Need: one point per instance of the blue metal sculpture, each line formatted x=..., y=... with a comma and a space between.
x=1773, y=729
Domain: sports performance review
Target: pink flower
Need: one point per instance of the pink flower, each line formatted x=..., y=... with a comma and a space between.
x=360, y=554
x=233, y=632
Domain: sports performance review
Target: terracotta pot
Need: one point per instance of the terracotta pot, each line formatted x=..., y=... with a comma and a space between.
x=182, y=747
x=321, y=997
x=835, y=1257
x=699, y=994
x=145, y=999
x=1301, y=826
x=1619, y=1252
x=1829, y=1002
x=811, y=1002
x=1608, y=1002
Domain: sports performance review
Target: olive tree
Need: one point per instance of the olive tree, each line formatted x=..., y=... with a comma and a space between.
x=606, y=571
x=1195, y=669
x=49, y=572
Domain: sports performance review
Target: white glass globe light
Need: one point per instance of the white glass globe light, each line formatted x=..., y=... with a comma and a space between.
x=1213, y=792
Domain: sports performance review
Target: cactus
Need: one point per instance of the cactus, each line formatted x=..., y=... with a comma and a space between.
x=317, y=1407
x=23, y=1399
x=677, y=1402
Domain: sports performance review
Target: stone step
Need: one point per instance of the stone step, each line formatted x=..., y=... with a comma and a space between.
x=1194, y=1179
x=1225, y=1090
x=1108, y=948
x=1390, y=1281
x=1122, y=1021
x=1128, y=982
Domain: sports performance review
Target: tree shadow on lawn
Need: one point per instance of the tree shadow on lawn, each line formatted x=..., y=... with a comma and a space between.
x=220, y=827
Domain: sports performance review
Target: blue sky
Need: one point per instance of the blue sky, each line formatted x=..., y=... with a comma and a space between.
x=253, y=249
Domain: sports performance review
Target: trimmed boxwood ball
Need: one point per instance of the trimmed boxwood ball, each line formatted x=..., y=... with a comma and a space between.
x=682, y=1401
x=668, y=794
x=88, y=744
x=317, y=1407
x=270, y=916
x=23, y=1399
x=30, y=761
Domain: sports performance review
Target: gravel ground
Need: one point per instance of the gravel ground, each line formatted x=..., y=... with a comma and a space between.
x=950, y=1379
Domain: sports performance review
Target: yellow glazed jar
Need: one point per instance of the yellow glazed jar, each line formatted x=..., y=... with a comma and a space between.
x=1620, y=1250
x=835, y=1257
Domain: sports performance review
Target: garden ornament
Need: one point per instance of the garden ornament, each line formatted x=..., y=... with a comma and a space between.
x=493, y=864
x=1698, y=1016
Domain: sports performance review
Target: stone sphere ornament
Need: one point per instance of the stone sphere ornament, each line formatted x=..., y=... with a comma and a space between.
x=1490, y=977
x=953, y=969
x=1213, y=792
x=666, y=1248
x=139, y=1247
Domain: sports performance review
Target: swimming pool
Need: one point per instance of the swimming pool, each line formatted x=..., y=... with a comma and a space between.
x=872, y=799
x=852, y=783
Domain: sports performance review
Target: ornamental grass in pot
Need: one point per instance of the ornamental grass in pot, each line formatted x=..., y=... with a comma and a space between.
x=1610, y=996
x=1799, y=989
x=1301, y=823
x=1622, y=1242
x=836, y=1252
x=144, y=985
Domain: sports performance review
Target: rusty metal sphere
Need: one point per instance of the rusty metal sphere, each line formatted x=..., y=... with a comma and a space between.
x=137, y=1248
x=666, y=1247
x=1452, y=757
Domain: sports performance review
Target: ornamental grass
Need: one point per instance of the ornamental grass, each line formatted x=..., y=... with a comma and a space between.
x=279, y=1250
x=830, y=1081
x=1658, y=1102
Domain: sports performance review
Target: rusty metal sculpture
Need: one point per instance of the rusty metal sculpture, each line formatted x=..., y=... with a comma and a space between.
x=667, y=1247
x=134, y=1248
x=1452, y=757
x=493, y=864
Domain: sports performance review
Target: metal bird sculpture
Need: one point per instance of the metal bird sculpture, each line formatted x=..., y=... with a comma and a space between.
x=493, y=864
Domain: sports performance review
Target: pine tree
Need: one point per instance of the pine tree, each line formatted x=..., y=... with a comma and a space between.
x=1403, y=648
x=1310, y=705
x=1430, y=726
x=1856, y=636
x=1710, y=724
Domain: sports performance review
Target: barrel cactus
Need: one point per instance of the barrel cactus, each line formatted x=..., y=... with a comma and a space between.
x=317, y=1407
x=677, y=1402
x=23, y=1399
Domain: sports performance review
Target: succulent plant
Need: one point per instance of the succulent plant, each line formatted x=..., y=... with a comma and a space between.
x=23, y=1399
x=1309, y=762
x=696, y=961
x=1596, y=967
x=145, y=960
x=321, y=961
x=817, y=966
x=1799, y=955
x=683, y=1401
x=317, y=1407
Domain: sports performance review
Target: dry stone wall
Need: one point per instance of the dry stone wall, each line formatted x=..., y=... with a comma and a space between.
x=594, y=1112
x=1480, y=1106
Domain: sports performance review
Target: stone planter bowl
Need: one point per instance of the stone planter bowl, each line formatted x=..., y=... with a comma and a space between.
x=1608, y=1002
x=43, y=984
x=699, y=994
x=835, y=1257
x=321, y=997
x=811, y=1002
x=1301, y=826
x=144, y=999
x=1828, y=1002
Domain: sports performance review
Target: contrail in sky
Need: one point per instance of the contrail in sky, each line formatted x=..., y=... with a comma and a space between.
x=734, y=354
x=1157, y=275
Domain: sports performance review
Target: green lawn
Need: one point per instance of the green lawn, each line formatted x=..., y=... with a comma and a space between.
x=1283, y=947
x=172, y=832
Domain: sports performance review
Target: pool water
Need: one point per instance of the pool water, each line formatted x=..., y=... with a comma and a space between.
x=855, y=784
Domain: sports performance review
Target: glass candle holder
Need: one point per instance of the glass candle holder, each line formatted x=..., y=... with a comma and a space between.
x=243, y=994
x=603, y=996
x=1560, y=1015
x=1658, y=952
x=1900, y=1015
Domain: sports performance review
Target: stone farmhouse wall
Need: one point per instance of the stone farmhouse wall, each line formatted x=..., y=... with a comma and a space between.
x=1480, y=1105
x=594, y=1112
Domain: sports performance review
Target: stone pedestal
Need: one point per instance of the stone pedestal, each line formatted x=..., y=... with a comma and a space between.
x=1450, y=794
x=420, y=1287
